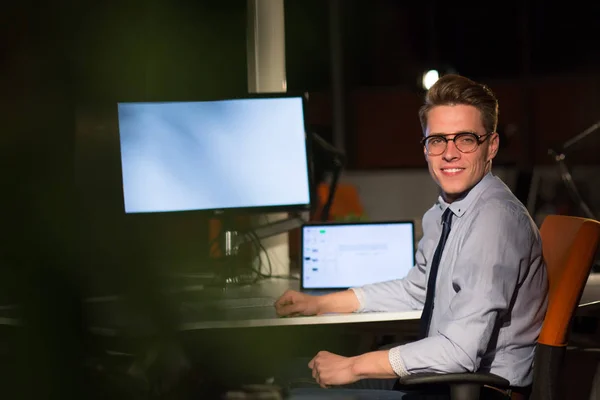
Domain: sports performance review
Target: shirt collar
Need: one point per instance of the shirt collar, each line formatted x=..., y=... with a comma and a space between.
x=460, y=206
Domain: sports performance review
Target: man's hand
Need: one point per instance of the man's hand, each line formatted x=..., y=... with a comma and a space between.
x=293, y=303
x=329, y=369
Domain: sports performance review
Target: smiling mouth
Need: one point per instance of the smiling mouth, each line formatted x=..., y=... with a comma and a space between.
x=451, y=171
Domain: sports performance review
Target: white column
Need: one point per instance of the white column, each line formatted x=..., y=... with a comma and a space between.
x=266, y=47
x=266, y=74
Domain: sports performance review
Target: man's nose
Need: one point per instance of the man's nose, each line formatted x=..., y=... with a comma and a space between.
x=451, y=152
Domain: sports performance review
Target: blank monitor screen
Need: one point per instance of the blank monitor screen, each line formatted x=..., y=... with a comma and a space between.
x=214, y=155
x=344, y=255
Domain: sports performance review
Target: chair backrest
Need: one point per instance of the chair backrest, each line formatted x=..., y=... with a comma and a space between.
x=569, y=247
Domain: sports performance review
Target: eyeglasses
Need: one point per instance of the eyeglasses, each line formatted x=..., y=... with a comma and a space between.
x=465, y=142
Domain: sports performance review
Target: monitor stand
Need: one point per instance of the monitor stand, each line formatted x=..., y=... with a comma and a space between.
x=230, y=267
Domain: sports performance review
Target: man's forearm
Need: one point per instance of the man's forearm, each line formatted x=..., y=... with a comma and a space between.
x=373, y=365
x=341, y=302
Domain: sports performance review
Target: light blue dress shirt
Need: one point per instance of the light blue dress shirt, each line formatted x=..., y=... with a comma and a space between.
x=491, y=291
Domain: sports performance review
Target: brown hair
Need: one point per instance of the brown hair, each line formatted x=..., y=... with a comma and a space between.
x=451, y=90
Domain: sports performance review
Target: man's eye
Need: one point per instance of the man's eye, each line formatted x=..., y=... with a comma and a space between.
x=435, y=141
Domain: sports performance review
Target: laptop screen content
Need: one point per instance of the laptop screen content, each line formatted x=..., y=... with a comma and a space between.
x=344, y=255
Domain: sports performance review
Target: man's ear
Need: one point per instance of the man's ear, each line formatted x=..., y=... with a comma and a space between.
x=493, y=146
x=425, y=153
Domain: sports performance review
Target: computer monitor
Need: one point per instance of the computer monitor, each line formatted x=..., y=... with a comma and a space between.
x=349, y=254
x=247, y=154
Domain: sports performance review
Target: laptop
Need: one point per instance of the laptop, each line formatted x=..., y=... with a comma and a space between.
x=340, y=255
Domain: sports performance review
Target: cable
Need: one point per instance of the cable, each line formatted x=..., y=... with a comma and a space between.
x=257, y=249
x=262, y=247
x=256, y=240
x=227, y=269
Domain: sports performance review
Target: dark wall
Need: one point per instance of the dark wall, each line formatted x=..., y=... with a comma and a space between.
x=176, y=50
x=539, y=58
x=387, y=129
x=146, y=51
x=64, y=94
x=389, y=43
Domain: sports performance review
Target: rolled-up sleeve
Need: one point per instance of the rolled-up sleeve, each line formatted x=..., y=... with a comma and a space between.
x=493, y=258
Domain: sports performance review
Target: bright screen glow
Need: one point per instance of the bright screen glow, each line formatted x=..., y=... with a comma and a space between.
x=213, y=155
x=351, y=255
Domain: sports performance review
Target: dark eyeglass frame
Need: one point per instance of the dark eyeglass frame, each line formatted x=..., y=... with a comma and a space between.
x=477, y=137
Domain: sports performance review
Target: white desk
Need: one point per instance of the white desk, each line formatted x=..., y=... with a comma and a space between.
x=326, y=319
x=255, y=317
x=590, y=303
x=266, y=317
x=590, y=299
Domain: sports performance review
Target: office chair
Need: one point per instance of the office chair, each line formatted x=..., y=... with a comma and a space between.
x=569, y=247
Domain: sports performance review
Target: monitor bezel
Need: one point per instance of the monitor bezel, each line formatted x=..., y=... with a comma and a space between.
x=235, y=211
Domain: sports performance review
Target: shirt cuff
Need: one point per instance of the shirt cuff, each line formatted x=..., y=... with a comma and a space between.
x=360, y=295
x=396, y=362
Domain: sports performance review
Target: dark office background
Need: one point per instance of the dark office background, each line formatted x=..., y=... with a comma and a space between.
x=65, y=64
x=95, y=53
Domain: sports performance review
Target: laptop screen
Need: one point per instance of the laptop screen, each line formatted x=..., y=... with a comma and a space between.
x=344, y=255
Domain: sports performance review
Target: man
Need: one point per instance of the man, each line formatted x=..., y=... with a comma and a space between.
x=479, y=274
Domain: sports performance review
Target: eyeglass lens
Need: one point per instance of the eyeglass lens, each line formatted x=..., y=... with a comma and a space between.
x=465, y=142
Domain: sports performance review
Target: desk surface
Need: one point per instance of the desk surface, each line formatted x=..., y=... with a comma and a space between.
x=591, y=293
x=242, y=316
x=248, y=317
x=268, y=321
x=266, y=316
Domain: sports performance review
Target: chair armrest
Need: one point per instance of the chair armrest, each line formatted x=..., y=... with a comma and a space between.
x=481, y=378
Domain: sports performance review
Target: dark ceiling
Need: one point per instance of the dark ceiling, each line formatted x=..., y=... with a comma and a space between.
x=190, y=49
x=386, y=41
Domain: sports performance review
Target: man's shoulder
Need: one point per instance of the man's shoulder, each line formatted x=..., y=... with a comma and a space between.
x=498, y=197
x=499, y=204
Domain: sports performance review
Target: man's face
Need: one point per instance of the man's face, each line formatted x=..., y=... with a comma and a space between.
x=456, y=172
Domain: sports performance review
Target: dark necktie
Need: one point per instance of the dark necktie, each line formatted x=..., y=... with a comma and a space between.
x=428, y=307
